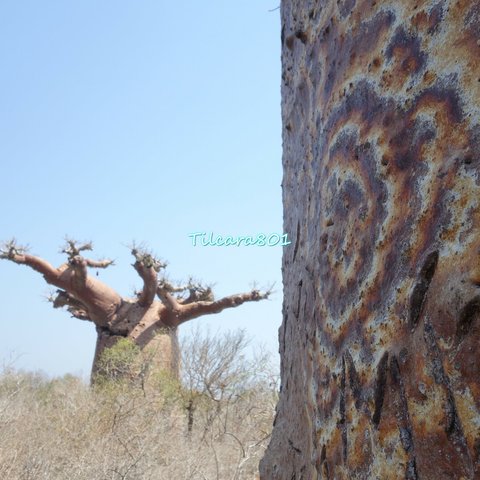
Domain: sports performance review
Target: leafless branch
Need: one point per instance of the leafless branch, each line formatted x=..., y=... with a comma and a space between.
x=149, y=277
x=196, y=309
x=73, y=248
x=79, y=264
x=76, y=308
x=15, y=253
x=196, y=291
x=99, y=263
x=242, y=448
x=10, y=249
x=147, y=258
x=168, y=299
x=147, y=266
x=167, y=286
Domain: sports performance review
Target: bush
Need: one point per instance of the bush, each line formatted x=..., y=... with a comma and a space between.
x=118, y=362
x=61, y=429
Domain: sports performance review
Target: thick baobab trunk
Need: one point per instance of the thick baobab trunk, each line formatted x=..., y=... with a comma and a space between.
x=149, y=324
x=160, y=353
x=381, y=326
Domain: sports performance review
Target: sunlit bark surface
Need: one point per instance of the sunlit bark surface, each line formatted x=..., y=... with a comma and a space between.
x=381, y=328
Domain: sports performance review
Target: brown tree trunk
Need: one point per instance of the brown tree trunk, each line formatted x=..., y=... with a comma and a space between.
x=160, y=353
x=381, y=320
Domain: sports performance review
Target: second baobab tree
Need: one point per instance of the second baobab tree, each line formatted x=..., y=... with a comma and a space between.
x=149, y=320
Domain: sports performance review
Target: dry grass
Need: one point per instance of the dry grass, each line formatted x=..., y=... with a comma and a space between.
x=63, y=429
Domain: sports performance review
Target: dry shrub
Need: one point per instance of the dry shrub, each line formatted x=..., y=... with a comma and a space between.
x=61, y=428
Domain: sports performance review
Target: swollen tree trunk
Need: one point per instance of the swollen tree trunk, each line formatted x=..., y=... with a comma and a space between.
x=149, y=321
x=159, y=353
x=381, y=320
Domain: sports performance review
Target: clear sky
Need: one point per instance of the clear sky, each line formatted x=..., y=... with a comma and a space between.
x=139, y=120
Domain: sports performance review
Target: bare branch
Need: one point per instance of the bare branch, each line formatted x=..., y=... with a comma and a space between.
x=147, y=258
x=147, y=267
x=166, y=285
x=72, y=249
x=79, y=313
x=168, y=299
x=79, y=264
x=15, y=253
x=10, y=248
x=196, y=309
x=196, y=291
x=149, y=277
x=76, y=308
x=99, y=263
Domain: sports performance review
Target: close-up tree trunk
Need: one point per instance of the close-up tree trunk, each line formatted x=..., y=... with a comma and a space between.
x=149, y=321
x=381, y=188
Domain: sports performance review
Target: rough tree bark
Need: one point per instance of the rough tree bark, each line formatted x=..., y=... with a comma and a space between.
x=381, y=320
x=150, y=320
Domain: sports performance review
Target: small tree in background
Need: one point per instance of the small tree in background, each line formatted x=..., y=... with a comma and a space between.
x=149, y=321
x=214, y=369
x=222, y=389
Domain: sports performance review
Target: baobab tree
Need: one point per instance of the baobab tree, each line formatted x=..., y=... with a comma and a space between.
x=149, y=320
x=381, y=319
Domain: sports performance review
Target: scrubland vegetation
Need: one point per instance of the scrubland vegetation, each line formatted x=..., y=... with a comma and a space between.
x=213, y=424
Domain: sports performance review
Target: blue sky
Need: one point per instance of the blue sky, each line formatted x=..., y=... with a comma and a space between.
x=144, y=121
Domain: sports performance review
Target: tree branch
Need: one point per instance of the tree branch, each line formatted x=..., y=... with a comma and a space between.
x=72, y=248
x=98, y=263
x=87, y=298
x=15, y=253
x=196, y=291
x=79, y=313
x=148, y=259
x=171, y=289
x=79, y=265
x=147, y=267
x=76, y=308
x=196, y=309
x=149, y=277
x=168, y=299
